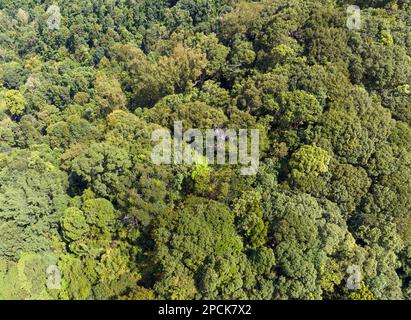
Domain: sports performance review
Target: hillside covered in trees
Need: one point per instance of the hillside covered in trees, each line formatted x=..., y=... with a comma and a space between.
x=85, y=214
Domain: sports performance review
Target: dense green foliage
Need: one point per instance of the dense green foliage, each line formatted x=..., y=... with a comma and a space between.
x=78, y=105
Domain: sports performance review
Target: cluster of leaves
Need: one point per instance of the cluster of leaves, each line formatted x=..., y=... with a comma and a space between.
x=78, y=190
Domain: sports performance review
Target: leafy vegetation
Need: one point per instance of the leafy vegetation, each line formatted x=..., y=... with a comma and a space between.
x=78, y=191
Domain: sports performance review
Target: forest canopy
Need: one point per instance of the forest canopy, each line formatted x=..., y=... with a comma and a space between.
x=85, y=214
